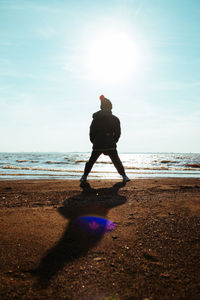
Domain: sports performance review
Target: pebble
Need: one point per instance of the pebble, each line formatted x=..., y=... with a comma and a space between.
x=98, y=259
x=112, y=265
x=150, y=255
x=166, y=275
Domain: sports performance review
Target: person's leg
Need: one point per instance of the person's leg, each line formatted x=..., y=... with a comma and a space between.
x=118, y=164
x=116, y=161
x=88, y=166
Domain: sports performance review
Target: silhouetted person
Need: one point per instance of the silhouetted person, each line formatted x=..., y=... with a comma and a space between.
x=105, y=132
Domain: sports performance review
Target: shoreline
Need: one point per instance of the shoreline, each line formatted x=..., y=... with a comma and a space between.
x=17, y=178
x=152, y=253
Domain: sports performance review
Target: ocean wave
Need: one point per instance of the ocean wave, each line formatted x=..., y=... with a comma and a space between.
x=9, y=167
x=193, y=165
x=56, y=162
x=168, y=162
x=97, y=162
x=32, y=169
x=153, y=169
x=24, y=160
x=36, y=174
x=104, y=162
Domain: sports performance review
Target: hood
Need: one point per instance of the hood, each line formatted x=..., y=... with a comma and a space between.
x=102, y=114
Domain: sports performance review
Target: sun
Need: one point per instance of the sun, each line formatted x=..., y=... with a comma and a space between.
x=112, y=56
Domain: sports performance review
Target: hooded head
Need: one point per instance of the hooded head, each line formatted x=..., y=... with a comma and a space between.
x=105, y=103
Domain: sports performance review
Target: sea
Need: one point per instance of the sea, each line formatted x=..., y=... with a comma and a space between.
x=70, y=165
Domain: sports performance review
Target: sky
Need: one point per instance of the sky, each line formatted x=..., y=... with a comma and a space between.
x=58, y=56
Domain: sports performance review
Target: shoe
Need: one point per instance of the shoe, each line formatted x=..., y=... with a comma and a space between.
x=83, y=178
x=125, y=178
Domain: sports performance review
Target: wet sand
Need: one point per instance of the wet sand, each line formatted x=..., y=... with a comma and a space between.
x=152, y=254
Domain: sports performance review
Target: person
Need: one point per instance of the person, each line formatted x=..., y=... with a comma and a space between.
x=105, y=132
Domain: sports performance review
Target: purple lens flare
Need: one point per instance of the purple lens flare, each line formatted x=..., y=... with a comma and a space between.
x=95, y=225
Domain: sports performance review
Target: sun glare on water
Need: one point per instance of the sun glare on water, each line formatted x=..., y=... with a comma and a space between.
x=112, y=56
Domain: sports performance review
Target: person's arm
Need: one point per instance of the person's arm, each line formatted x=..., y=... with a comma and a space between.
x=92, y=131
x=117, y=130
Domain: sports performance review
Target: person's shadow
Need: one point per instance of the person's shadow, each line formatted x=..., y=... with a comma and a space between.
x=75, y=242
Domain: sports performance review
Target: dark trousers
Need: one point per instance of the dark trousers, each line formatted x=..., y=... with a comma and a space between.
x=113, y=156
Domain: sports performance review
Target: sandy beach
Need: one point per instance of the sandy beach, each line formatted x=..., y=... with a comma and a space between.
x=153, y=253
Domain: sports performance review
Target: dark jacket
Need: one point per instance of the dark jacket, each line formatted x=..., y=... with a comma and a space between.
x=104, y=130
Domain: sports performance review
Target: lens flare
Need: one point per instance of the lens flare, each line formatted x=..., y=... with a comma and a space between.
x=95, y=225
